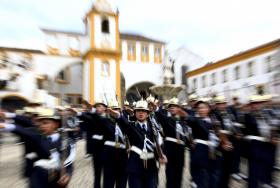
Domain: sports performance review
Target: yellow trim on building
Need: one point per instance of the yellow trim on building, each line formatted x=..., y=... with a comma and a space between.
x=145, y=57
x=157, y=58
x=91, y=80
x=104, y=53
x=118, y=80
x=60, y=81
x=237, y=58
x=100, y=53
x=91, y=25
x=20, y=50
x=131, y=57
x=53, y=51
x=74, y=53
x=28, y=56
x=41, y=77
x=94, y=11
x=83, y=80
x=117, y=33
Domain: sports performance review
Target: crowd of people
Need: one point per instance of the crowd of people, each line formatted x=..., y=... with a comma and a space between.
x=129, y=143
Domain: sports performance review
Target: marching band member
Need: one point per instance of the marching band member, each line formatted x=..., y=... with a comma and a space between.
x=51, y=168
x=174, y=142
x=238, y=143
x=227, y=132
x=165, y=104
x=145, y=151
x=152, y=105
x=204, y=153
x=261, y=137
x=214, y=137
x=95, y=133
x=192, y=101
x=235, y=107
x=114, y=151
x=128, y=112
x=27, y=118
x=85, y=108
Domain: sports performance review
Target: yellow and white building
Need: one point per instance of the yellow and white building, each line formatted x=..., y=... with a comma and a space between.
x=100, y=63
x=252, y=71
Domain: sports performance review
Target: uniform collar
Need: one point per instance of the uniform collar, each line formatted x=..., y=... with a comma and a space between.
x=207, y=119
x=143, y=123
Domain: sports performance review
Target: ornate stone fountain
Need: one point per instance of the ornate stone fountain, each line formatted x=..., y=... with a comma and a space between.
x=168, y=89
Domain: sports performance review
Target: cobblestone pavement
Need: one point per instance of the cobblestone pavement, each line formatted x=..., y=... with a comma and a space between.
x=10, y=169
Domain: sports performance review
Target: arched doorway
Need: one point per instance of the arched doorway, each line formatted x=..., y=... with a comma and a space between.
x=138, y=90
x=67, y=84
x=13, y=102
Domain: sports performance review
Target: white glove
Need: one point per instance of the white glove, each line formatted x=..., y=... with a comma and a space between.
x=47, y=164
x=53, y=163
x=7, y=127
x=10, y=115
x=238, y=125
x=31, y=155
x=160, y=139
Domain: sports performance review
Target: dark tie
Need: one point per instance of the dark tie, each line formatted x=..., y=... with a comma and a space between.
x=49, y=139
x=142, y=127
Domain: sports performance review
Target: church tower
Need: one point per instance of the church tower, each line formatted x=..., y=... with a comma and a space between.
x=101, y=68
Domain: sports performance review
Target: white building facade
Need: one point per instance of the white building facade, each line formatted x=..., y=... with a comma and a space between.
x=99, y=64
x=184, y=60
x=246, y=73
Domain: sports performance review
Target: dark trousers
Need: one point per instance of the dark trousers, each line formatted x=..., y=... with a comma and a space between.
x=28, y=167
x=214, y=170
x=142, y=180
x=205, y=172
x=97, y=169
x=88, y=144
x=39, y=179
x=207, y=177
x=260, y=163
x=113, y=178
x=174, y=168
x=236, y=155
x=115, y=167
x=226, y=169
x=270, y=159
x=173, y=176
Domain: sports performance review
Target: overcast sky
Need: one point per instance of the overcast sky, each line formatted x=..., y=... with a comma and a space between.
x=213, y=29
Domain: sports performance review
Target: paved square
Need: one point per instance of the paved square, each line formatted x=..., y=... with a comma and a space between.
x=10, y=173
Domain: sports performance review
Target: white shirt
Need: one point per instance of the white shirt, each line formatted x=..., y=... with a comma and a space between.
x=54, y=137
x=143, y=124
